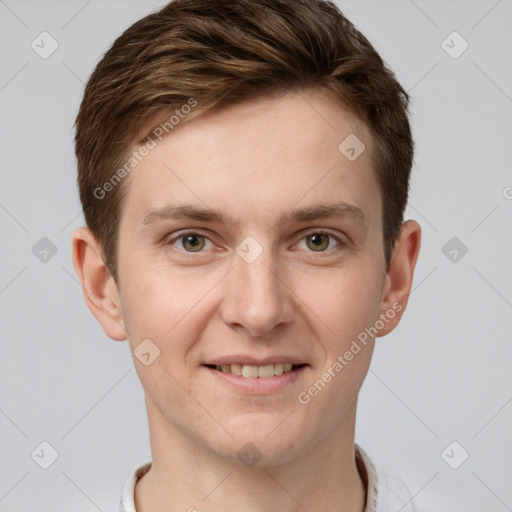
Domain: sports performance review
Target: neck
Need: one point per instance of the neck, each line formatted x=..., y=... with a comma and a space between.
x=188, y=477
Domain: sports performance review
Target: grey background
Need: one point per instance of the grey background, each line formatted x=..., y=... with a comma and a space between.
x=443, y=375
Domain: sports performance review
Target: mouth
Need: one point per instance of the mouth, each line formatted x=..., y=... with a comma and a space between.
x=256, y=372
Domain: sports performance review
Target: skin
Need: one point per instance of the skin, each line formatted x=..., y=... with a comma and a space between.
x=254, y=162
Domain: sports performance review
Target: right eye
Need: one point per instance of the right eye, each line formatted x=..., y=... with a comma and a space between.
x=190, y=241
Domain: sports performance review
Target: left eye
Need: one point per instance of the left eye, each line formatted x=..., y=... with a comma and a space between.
x=319, y=241
x=192, y=242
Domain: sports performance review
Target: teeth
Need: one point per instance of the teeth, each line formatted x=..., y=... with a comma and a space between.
x=264, y=372
x=236, y=369
x=250, y=371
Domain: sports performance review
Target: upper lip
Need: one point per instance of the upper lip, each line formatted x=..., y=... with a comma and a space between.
x=254, y=361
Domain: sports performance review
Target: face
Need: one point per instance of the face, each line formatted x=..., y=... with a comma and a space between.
x=249, y=242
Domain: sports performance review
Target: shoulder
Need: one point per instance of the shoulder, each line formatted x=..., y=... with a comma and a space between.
x=127, y=501
x=386, y=491
x=393, y=493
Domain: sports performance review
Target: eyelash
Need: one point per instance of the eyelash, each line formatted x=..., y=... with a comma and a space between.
x=184, y=234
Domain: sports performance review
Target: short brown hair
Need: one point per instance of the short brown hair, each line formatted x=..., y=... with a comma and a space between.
x=218, y=52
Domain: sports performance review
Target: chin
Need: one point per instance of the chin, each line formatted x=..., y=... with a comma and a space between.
x=261, y=442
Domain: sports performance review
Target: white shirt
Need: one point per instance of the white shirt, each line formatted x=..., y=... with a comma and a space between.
x=385, y=491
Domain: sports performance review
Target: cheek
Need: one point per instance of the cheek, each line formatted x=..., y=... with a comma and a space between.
x=159, y=302
x=344, y=301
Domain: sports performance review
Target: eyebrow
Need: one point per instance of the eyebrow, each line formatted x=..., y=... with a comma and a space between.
x=339, y=209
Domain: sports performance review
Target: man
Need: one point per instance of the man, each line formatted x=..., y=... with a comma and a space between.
x=244, y=169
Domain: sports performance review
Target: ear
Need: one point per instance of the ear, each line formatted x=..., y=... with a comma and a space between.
x=399, y=276
x=99, y=288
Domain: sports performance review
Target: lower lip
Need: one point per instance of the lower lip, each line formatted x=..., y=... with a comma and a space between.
x=257, y=386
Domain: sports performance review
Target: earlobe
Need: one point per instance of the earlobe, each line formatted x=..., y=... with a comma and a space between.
x=399, y=275
x=99, y=289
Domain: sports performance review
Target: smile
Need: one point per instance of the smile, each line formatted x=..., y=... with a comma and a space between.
x=255, y=379
x=252, y=371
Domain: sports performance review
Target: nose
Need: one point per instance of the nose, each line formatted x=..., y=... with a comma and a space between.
x=257, y=298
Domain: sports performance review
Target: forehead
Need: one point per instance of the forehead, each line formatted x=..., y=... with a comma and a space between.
x=259, y=159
